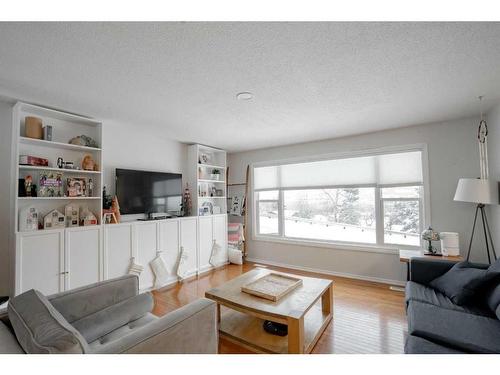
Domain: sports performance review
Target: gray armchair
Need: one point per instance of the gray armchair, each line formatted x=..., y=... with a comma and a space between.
x=106, y=317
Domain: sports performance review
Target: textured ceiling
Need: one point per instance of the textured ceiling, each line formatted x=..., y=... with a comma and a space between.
x=310, y=80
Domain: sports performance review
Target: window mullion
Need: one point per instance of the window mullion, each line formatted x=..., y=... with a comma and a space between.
x=379, y=217
x=281, y=214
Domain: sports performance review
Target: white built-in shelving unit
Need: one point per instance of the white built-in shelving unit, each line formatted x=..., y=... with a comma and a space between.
x=56, y=260
x=64, y=127
x=208, y=188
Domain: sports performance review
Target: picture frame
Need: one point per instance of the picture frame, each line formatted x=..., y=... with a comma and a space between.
x=50, y=184
x=109, y=218
x=76, y=187
x=204, y=158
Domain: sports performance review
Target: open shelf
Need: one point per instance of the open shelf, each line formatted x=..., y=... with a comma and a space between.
x=224, y=197
x=214, y=181
x=57, y=145
x=58, y=198
x=211, y=166
x=64, y=170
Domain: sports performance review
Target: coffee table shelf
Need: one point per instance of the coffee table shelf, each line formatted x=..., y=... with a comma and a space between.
x=247, y=331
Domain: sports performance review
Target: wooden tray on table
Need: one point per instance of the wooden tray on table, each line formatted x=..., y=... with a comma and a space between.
x=272, y=286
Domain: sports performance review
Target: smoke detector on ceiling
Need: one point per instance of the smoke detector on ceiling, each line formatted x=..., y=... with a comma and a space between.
x=244, y=95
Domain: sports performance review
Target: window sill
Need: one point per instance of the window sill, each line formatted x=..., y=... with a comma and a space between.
x=335, y=245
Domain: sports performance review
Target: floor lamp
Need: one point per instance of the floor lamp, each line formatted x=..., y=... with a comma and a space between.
x=481, y=192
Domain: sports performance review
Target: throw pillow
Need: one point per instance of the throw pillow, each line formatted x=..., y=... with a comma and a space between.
x=493, y=271
x=492, y=293
x=493, y=297
x=235, y=255
x=460, y=283
x=40, y=328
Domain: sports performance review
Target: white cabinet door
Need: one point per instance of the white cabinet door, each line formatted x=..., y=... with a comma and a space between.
x=40, y=261
x=220, y=232
x=82, y=256
x=189, y=229
x=146, y=247
x=169, y=245
x=205, y=239
x=117, y=250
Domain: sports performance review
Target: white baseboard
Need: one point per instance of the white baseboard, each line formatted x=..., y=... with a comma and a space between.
x=328, y=272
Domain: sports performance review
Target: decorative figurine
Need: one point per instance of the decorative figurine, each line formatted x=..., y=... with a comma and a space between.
x=54, y=220
x=72, y=213
x=186, y=202
x=88, y=164
x=87, y=218
x=28, y=219
x=28, y=185
x=90, y=188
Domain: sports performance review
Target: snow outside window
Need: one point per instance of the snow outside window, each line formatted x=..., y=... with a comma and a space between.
x=328, y=201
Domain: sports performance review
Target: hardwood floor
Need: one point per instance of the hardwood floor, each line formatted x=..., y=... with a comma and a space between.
x=368, y=317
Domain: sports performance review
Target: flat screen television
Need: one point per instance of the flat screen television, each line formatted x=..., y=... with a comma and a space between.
x=145, y=192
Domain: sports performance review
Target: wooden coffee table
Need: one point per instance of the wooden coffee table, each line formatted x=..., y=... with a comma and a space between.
x=307, y=311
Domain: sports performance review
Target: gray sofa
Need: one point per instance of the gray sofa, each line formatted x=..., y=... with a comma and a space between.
x=438, y=326
x=106, y=317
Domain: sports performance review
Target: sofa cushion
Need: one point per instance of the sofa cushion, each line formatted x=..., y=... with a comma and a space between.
x=418, y=345
x=456, y=329
x=460, y=283
x=8, y=341
x=106, y=344
x=422, y=293
x=40, y=328
x=107, y=320
x=80, y=302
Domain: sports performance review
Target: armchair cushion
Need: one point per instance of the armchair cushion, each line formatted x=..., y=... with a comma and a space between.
x=460, y=283
x=101, y=323
x=80, y=302
x=40, y=328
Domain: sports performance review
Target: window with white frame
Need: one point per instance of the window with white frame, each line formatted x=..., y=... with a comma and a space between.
x=373, y=199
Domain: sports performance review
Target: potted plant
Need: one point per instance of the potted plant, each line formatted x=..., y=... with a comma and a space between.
x=215, y=174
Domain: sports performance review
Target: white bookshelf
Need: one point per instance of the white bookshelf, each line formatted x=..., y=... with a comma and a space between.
x=208, y=188
x=64, y=127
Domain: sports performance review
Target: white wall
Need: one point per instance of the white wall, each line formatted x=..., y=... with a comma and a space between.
x=130, y=147
x=124, y=146
x=452, y=154
x=5, y=214
x=494, y=163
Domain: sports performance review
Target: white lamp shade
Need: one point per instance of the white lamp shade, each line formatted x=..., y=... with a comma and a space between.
x=477, y=190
